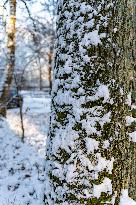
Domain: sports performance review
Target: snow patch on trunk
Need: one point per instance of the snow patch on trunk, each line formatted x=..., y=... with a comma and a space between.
x=125, y=199
x=106, y=187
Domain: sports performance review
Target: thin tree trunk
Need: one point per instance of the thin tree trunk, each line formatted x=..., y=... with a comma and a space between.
x=21, y=119
x=11, y=32
x=40, y=73
x=18, y=88
x=50, y=70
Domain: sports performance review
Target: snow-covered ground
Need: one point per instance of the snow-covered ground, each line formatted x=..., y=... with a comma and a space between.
x=35, y=118
x=22, y=164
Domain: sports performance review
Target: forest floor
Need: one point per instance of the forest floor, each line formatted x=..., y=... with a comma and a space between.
x=22, y=164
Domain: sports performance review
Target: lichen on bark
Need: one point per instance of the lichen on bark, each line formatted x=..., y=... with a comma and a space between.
x=87, y=148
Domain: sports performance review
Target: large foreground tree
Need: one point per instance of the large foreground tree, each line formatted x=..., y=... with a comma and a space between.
x=88, y=158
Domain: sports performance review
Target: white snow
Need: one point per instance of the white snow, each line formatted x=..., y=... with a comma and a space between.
x=21, y=170
x=132, y=136
x=85, y=8
x=130, y=120
x=35, y=117
x=125, y=199
x=102, y=91
x=106, y=187
x=91, y=145
x=128, y=101
x=22, y=165
x=106, y=144
x=115, y=30
x=91, y=38
x=102, y=164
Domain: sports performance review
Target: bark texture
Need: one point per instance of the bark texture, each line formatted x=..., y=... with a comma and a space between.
x=11, y=32
x=88, y=146
x=132, y=124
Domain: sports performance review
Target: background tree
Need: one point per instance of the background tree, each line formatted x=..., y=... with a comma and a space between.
x=88, y=159
x=38, y=33
x=11, y=32
x=35, y=33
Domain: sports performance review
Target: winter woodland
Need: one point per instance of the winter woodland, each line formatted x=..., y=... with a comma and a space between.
x=67, y=102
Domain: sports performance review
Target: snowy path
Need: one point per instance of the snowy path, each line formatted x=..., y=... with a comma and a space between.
x=36, y=118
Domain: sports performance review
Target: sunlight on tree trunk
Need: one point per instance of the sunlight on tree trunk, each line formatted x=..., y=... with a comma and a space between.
x=11, y=32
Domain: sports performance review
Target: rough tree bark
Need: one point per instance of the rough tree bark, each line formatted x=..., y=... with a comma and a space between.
x=11, y=32
x=132, y=124
x=88, y=159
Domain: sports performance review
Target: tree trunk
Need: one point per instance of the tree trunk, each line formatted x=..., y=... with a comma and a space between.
x=10, y=57
x=132, y=126
x=88, y=147
x=40, y=72
x=49, y=70
x=134, y=45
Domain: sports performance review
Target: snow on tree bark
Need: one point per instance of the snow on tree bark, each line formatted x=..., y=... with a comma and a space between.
x=87, y=150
